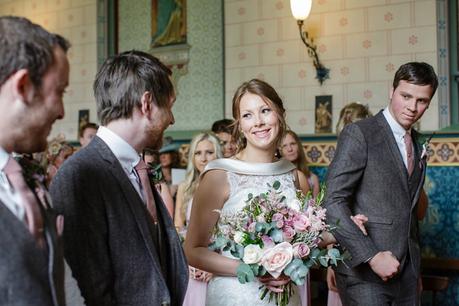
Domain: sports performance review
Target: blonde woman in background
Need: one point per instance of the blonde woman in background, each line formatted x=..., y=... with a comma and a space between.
x=352, y=112
x=203, y=148
x=291, y=149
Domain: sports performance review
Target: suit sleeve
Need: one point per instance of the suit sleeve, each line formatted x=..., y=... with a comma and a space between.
x=343, y=179
x=75, y=194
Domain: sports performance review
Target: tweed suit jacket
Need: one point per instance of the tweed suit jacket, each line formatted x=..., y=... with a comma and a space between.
x=108, y=241
x=367, y=176
x=30, y=275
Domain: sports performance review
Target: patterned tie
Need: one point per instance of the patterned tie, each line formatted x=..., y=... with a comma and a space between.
x=34, y=219
x=409, y=152
x=141, y=169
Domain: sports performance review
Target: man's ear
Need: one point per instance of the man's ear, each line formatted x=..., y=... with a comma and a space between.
x=391, y=92
x=146, y=105
x=21, y=85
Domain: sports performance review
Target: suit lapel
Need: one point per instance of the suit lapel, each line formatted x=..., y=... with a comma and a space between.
x=393, y=149
x=134, y=201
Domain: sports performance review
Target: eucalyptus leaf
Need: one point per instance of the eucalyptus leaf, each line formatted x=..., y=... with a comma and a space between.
x=238, y=251
x=314, y=253
x=244, y=273
x=218, y=244
x=323, y=261
x=260, y=227
x=276, y=235
x=334, y=253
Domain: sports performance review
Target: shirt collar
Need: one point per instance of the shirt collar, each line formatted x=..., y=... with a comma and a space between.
x=4, y=156
x=398, y=130
x=123, y=151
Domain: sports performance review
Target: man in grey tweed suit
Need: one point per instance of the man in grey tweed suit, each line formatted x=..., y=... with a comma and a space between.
x=34, y=72
x=119, y=239
x=378, y=170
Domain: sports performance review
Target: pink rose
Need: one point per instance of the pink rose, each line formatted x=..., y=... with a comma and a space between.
x=277, y=217
x=288, y=233
x=301, y=222
x=275, y=259
x=300, y=250
x=280, y=224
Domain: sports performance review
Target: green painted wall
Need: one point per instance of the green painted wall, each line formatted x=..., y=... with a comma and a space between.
x=200, y=92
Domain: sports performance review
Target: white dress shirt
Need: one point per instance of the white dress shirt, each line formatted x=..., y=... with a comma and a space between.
x=399, y=133
x=125, y=153
x=10, y=198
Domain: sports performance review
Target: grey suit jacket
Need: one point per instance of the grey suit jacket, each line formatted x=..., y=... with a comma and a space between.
x=367, y=176
x=108, y=241
x=30, y=275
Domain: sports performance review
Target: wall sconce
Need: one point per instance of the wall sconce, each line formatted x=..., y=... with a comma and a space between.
x=300, y=11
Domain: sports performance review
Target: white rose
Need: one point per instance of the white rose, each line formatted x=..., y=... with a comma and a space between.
x=252, y=254
x=277, y=258
x=238, y=237
x=261, y=218
x=295, y=204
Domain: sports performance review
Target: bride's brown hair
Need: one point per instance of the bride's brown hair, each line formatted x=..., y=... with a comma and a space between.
x=269, y=96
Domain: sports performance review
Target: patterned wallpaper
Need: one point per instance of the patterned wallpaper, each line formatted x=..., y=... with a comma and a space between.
x=134, y=25
x=362, y=42
x=200, y=92
x=76, y=21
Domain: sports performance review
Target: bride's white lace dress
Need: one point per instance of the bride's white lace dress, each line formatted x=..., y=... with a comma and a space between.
x=245, y=178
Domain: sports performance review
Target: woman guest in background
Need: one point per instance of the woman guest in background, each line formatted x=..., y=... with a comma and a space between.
x=203, y=148
x=292, y=150
x=169, y=158
x=223, y=129
x=151, y=158
x=226, y=183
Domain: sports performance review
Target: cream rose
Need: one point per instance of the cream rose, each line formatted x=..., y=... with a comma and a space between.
x=277, y=258
x=252, y=254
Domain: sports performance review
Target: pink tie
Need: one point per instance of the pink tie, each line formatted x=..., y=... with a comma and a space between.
x=141, y=169
x=409, y=152
x=34, y=219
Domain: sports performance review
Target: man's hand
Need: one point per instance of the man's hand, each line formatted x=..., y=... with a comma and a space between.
x=331, y=280
x=274, y=284
x=385, y=265
x=360, y=221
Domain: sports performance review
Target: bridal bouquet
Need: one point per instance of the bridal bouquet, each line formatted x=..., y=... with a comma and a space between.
x=272, y=236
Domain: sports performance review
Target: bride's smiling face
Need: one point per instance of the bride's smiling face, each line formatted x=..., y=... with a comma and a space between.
x=258, y=121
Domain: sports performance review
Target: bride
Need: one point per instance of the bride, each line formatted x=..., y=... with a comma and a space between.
x=259, y=125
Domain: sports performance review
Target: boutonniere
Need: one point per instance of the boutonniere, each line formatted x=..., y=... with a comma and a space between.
x=154, y=173
x=35, y=177
x=32, y=170
x=425, y=146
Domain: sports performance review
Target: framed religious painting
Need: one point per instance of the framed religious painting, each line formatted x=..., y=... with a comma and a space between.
x=168, y=22
x=323, y=114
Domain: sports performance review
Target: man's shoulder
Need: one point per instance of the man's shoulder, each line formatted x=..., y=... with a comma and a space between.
x=86, y=162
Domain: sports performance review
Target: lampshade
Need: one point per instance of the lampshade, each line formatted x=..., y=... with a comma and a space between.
x=300, y=8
